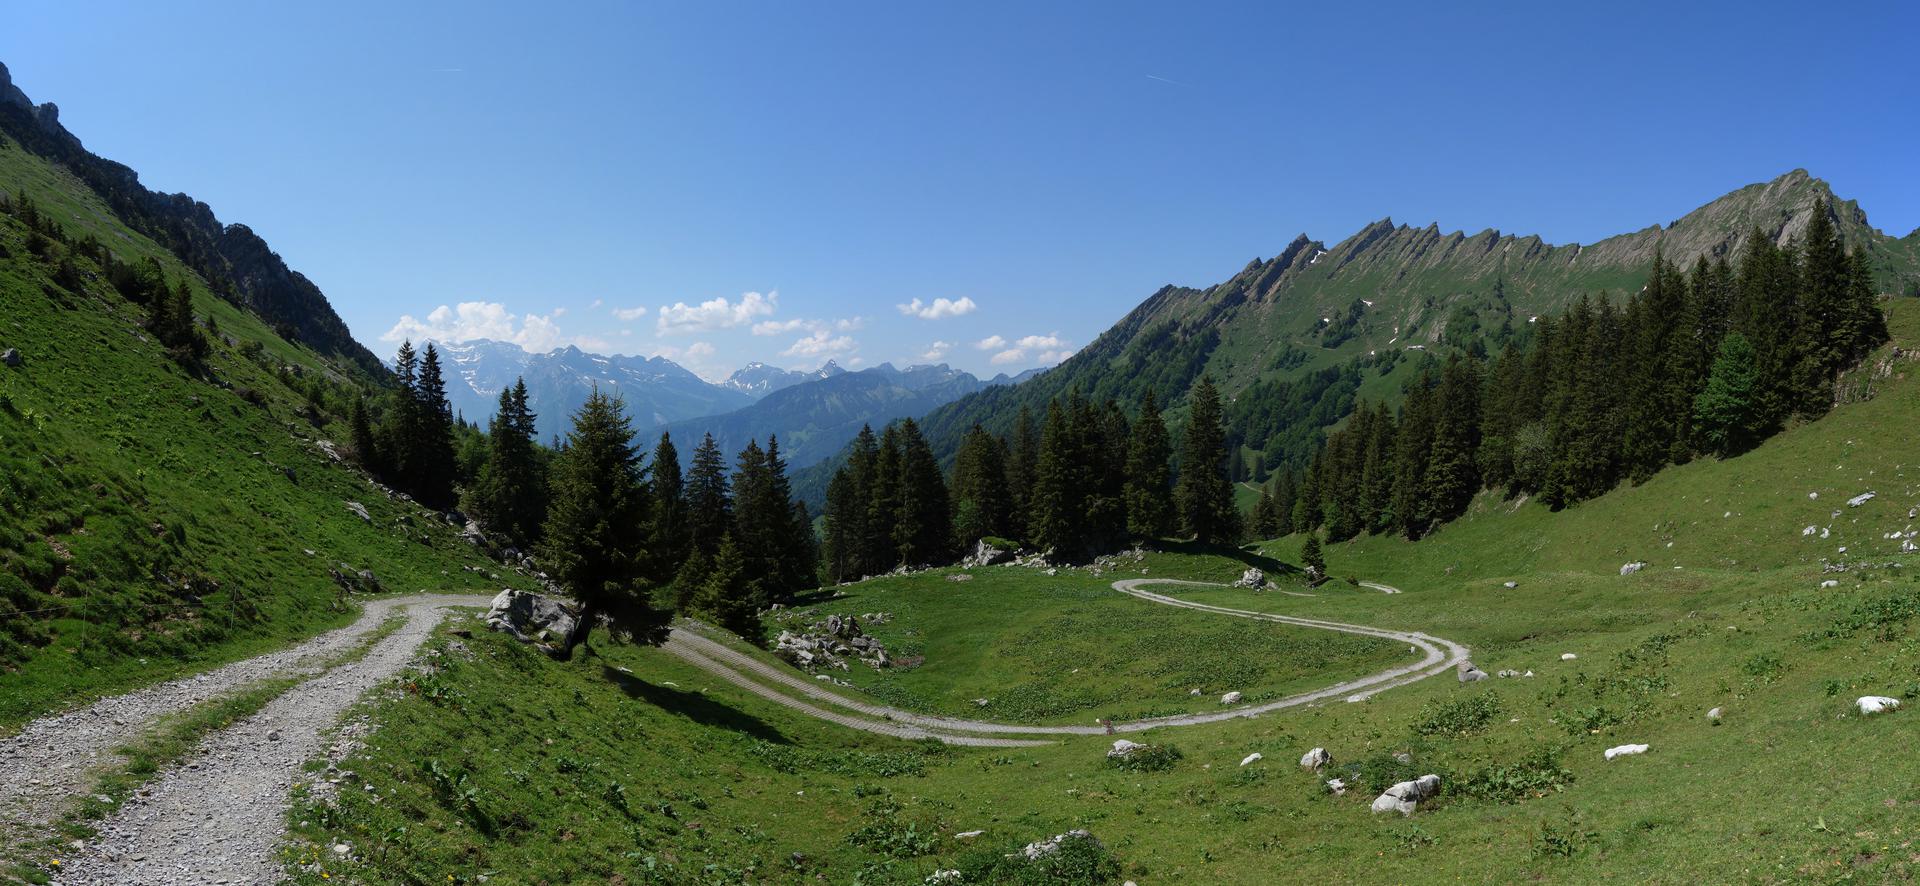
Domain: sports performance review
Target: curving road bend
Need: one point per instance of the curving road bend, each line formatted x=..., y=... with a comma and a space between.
x=748, y=672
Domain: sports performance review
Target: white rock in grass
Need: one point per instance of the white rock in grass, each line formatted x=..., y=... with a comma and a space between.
x=1406, y=796
x=1315, y=759
x=1511, y=585
x=1254, y=757
x=1633, y=567
x=1809, y=530
x=967, y=835
x=1876, y=704
x=1124, y=748
x=1626, y=750
x=1336, y=786
x=1231, y=698
x=1830, y=583
x=1860, y=499
x=1568, y=656
x=1715, y=715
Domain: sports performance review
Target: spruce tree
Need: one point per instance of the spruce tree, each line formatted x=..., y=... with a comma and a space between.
x=884, y=496
x=366, y=450
x=1149, y=482
x=1727, y=411
x=1313, y=560
x=731, y=596
x=1205, y=496
x=595, y=542
x=760, y=524
x=981, y=504
x=709, y=506
x=1054, y=502
x=840, y=549
x=923, y=528
x=434, y=468
x=401, y=430
x=510, y=491
x=667, y=529
x=1266, y=515
x=1023, y=462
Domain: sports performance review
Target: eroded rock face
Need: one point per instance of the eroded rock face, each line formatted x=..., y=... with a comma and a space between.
x=530, y=617
x=986, y=555
x=1405, y=797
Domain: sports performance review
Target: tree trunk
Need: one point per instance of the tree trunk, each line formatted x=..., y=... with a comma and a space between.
x=577, y=636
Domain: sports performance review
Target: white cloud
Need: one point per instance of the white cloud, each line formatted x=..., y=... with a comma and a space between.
x=630, y=313
x=777, y=327
x=596, y=304
x=850, y=324
x=940, y=309
x=937, y=351
x=822, y=343
x=716, y=313
x=1044, y=350
x=490, y=320
x=700, y=349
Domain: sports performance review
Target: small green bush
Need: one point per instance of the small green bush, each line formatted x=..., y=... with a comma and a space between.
x=1460, y=716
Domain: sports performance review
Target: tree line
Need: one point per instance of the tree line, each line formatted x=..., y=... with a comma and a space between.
x=625, y=533
x=1086, y=478
x=1704, y=362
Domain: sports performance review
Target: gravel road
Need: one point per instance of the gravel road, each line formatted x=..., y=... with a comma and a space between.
x=768, y=680
x=218, y=816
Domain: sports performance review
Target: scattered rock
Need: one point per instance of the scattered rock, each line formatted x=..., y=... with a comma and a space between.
x=1254, y=757
x=1316, y=759
x=1123, y=749
x=1633, y=567
x=1860, y=499
x=980, y=702
x=1626, y=750
x=1337, y=787
x=1231, y=697
x=959, y=576
x=11, y=357
x=1406, y=796
x=1507, y=672
x=967, y=835
x=1511, y=585
x=359, y=510
x=1252, y=579
x=946, y=876
x=1568, y=656
x=1714, y=715
x=529, y=617
x=273, y=735
x=986, y=555
x=1043, y=848
x=1193, y=692
x=1830, y=583
x=1469, y=673
x=1876, y=704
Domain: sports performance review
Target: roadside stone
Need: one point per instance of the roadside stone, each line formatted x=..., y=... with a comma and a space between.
x=1252, y=579
x=528, y=616
x=1231, y=697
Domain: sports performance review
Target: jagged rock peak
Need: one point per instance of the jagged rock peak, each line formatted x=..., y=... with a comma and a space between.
x=10, y=93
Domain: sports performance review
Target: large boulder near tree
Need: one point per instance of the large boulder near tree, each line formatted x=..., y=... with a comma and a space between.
x=530, y=617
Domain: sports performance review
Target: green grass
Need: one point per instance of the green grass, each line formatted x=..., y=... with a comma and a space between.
x=1068, y=649
x=148, y=523
x=1792, y=786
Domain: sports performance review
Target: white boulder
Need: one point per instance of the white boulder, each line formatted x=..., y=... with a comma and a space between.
x=1860, y=499
x=529, y=617
x=1568, y=656
x=1633, y=567
x=1406, y=796
x=1254, y=757
x=1315, y=759
x=1626, y=750
x=1876, y=704
x=1231, y=697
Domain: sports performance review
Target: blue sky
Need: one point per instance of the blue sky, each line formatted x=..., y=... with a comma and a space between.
x=781, y=182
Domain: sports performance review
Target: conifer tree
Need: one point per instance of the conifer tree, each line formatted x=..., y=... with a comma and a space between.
x=981, y=504
x=1023, y=462
x=667, y=529
x=709, y=506
x=1266, y=515
x=510, y=491
x=884, y=495
x=1312, y=559
x=923, y=525
x=434, y=468
x=760, y=524
x=840, y=547
x=1149, y=482
x=402, y=427
x=1207, y=511
x=595, y=542
x=366, y=450
x=730, y=595
x=1055, y=497
x=1727, y=411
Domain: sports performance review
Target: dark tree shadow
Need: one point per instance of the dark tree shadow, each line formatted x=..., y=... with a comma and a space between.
x=813, y=597
x=693, y=706
x=1248, y=555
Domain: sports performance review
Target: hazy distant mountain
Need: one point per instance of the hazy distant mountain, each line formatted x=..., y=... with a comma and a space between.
x=814, y=419
x=758, y=379
x=656, y=390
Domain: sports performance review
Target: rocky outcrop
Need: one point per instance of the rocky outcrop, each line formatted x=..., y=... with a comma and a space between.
x=530, y=617
x=984, y=554
x=1043, y=848
x=1252, y=579
x=831, y=642
x=1406, y=796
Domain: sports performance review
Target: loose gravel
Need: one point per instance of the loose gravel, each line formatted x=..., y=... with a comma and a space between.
x=217, y=816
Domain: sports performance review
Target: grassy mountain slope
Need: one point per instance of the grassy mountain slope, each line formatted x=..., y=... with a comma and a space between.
x=245, y=268
x=1791, y=785
x=155, y=521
